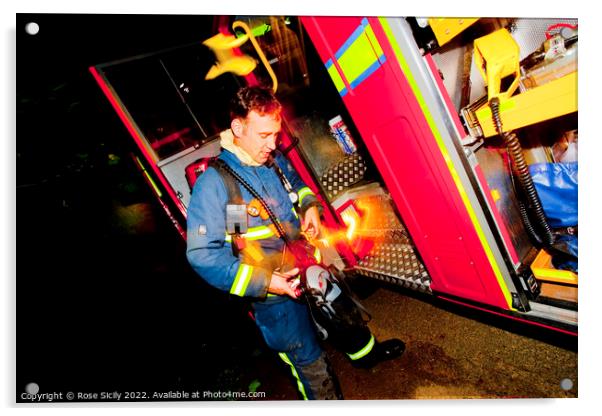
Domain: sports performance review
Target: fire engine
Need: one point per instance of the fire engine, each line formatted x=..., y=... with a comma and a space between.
x=443, y=150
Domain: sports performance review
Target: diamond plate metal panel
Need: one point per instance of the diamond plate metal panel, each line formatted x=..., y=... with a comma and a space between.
x=343, y=175
x=395, y=263
x=393, y=258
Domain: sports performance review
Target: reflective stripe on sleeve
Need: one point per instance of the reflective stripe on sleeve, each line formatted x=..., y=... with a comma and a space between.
x=364, y=351
x=242, y=279
x=254, y=233
x=303, y=192
x=258, y=233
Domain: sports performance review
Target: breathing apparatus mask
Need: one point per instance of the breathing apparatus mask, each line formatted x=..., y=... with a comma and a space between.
x=331, y=302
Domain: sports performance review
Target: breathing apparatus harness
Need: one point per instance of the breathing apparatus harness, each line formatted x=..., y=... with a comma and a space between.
x=322, y=287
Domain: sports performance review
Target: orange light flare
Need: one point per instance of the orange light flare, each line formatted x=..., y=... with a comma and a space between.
x=351, y=219
x=363, y=220
x=324, y=241
x=355, y=220
x=330, y=237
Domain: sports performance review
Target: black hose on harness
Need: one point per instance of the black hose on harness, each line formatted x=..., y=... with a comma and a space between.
x=524, y=177
x=256, y=195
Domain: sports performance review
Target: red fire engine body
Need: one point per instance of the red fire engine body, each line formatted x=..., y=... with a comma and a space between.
x=380, y=124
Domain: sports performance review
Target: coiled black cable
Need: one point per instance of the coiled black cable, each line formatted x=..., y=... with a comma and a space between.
x=526, y=181
x=522, y=208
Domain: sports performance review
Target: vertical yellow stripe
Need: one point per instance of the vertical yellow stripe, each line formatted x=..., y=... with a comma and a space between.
x=408, y=73
x=300, y=385
x=242, y=279
x=336, y=78
x=150, y=179
x=372, y=38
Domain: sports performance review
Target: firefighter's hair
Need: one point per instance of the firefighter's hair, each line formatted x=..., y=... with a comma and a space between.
x=259, y=99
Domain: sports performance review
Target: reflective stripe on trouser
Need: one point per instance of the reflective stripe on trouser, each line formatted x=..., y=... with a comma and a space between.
x=364, y=351
x=300, y=385
x=314, y=380
x=349, y=333
x=287, y=328
x=357, y=342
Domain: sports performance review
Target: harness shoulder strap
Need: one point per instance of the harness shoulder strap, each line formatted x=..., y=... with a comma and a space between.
x=234, y=194
x=236, y=209
x=228, y=171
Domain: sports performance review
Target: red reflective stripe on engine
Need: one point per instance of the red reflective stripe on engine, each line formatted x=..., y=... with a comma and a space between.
x=443, y=92
x=527, y=321
x=498, y=217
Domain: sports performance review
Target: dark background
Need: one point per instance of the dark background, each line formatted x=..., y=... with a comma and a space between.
x=105, y=297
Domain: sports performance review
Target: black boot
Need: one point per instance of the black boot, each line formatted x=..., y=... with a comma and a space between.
x=390, y=349
x=382, y=351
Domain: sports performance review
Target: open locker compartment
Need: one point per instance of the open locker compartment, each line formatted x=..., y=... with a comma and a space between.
x=550, y=290
x=376, y=242
x=440, y=178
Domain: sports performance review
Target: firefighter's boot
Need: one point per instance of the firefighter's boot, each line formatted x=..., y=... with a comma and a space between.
x=389, y=349
x=382, y=351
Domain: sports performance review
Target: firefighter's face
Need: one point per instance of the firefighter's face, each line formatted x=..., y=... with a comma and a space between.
x=257, y=134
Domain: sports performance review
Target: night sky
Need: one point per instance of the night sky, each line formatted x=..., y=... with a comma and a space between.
x=105, y=297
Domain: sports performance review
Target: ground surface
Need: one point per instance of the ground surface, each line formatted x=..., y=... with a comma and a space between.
x=450, y=356
x=112, y=305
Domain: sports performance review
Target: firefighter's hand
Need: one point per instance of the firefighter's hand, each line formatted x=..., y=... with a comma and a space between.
x=281, y=283
x=311, y=223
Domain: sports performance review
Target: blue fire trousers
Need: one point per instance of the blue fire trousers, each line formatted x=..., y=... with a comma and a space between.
x=287, y=328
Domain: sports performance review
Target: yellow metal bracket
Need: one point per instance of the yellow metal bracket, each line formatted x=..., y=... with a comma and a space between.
x=543, y=269
x=554, y=99
x=447, y=28
x=497, y=56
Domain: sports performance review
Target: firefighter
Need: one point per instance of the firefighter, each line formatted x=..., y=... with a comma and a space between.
x=252, y=270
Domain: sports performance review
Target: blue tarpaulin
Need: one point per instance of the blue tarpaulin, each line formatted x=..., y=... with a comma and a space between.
x=556, y=184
